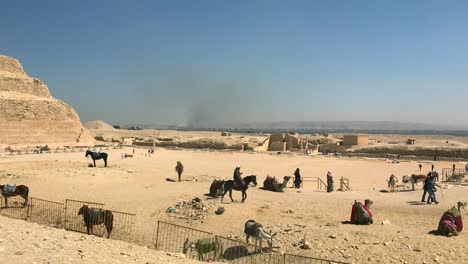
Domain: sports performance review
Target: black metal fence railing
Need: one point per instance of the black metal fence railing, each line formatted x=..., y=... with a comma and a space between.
x=172, y=237
x=205, y=246
x=46, y=212
x=164, y=236
x=297, y=259
x=15, y=207
x=123, y=226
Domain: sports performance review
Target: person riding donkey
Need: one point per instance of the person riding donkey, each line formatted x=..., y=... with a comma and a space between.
x=237, y=177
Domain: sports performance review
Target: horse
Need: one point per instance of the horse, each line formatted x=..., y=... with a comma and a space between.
x=232, y=185
x=21, y=190
x=97, y=156
x=95, y=216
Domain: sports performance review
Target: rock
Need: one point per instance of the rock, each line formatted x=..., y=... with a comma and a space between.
x=385, y=222
x=386, y=243
x=306, y=245
x=332, y=236
x=291, y=211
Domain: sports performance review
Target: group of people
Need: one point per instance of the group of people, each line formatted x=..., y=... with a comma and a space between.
x=430, y=188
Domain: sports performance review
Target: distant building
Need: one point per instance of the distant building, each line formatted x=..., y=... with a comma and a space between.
x=355, y=140
x=286, y=142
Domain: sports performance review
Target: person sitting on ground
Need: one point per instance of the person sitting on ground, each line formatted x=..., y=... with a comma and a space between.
x=297, y=179
x=451, y=223
x=361, y=213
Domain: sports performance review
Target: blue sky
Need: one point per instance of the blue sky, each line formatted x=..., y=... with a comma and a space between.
x=214, y=62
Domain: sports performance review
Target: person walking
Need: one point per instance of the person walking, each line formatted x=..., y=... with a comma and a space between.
x=329, y=181
x=431, y=189
x=426, y=184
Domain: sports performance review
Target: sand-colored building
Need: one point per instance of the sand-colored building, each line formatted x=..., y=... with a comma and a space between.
x=356, y=140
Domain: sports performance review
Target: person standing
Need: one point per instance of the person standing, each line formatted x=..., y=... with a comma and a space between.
x=432, y=167
x=420, y=166
x=297, y=179
x=329, y=181
x=453, y=168
x=179, y=169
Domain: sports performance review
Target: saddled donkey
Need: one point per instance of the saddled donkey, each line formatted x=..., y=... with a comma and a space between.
x=21, y=190
x=414, y=179
x=232, y=185
x=97, y=156
x=96, y=216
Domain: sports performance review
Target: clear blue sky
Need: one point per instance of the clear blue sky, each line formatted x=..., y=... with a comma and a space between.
x=179, y=62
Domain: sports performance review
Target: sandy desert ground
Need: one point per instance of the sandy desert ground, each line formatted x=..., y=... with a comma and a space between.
x=24, y=242
x=138, y=185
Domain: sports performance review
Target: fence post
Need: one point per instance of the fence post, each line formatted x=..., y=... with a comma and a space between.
x=30, y=208
x=284, y=258
x=157, y=237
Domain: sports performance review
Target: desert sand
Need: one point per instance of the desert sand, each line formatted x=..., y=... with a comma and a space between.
x=138, y=185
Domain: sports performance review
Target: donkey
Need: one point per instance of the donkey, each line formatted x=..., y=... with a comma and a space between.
x=95, y=216
x=21, y=190
x=97, y=156
x=203, y=246
x=255, y=229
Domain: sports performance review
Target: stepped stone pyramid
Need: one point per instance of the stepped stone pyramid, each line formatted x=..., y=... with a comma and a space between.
x=30, y=116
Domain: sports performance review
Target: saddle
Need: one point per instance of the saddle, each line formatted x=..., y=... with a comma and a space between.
x=9, y=188
x=96, y=213
x=96, y=155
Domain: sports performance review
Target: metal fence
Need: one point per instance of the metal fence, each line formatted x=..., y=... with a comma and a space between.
x=448, y=174
x=123, y=226
x=171, y=237
x=297, y=259
x=15, y=208
x=208, y=247
x=46, y=212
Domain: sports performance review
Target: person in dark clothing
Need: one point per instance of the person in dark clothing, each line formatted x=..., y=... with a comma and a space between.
x=329, y=181
x=432, y=167
x=237, y=176
x=297, y=179
x=426, y=184
x=420, y=167
x=431, y=189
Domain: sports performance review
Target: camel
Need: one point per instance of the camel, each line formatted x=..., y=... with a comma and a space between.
x=272, y=184
x=414, y=179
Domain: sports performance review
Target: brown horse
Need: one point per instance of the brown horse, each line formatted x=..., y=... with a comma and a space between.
x=95, y=216
x=21, y=190
x=232, y=185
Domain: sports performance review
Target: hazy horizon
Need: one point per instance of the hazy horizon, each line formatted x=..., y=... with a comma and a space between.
x=211, y=63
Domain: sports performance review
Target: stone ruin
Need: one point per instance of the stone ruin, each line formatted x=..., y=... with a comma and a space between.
x=29, y=115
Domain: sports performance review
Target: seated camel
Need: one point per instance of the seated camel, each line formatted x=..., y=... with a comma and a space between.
x=272, y=184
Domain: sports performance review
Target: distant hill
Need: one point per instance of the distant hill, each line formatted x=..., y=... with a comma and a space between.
x=98, y=125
